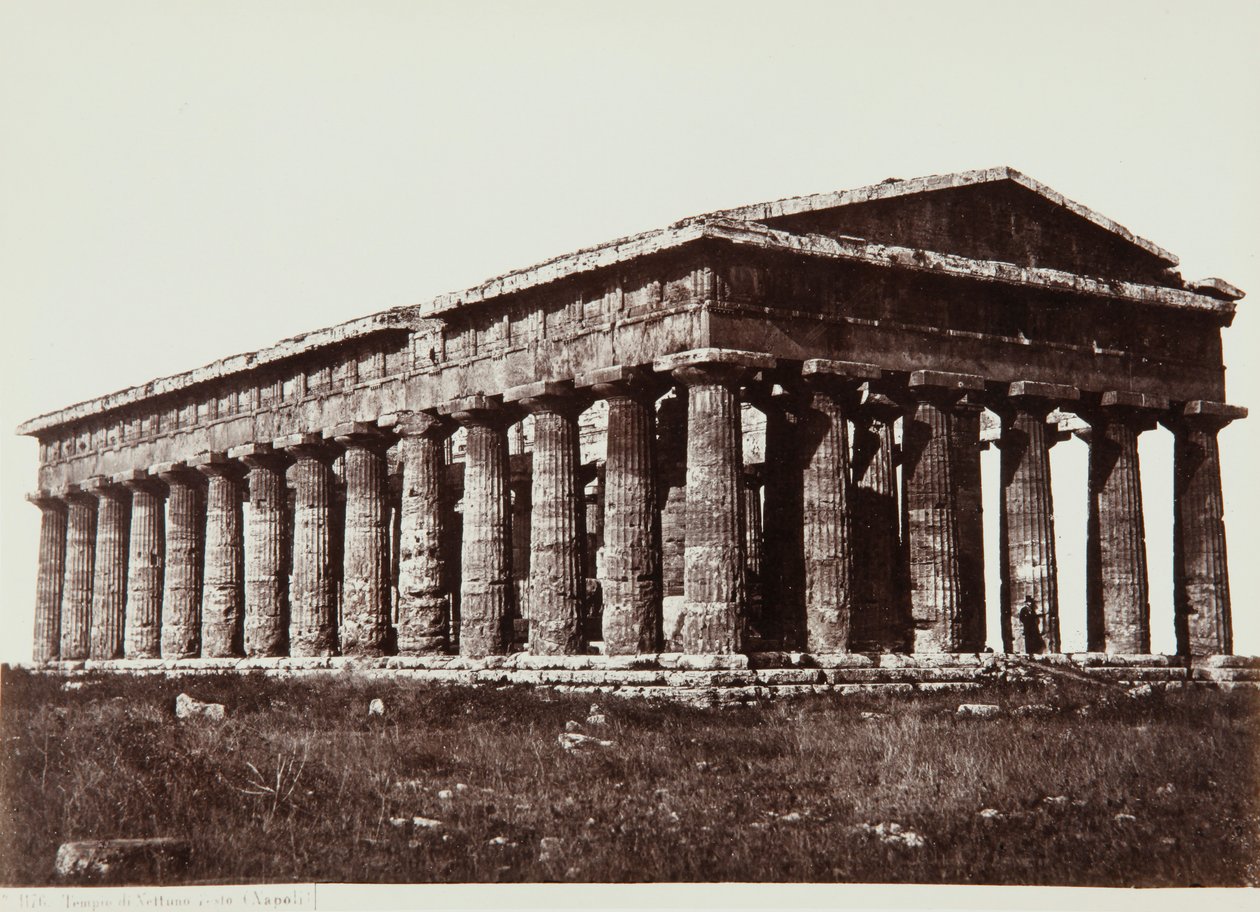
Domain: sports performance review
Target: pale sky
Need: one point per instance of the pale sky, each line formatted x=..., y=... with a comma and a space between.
x=180, y=182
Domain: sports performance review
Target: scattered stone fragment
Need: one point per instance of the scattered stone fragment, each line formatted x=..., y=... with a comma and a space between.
x=376, y=707
x=595, y=709
x=425, y=823
x=188, y=708
x=894, y=834
x=1166, y=789
x=702, y=765
x=461, y=787
x=549, y=847
x=499, y=841
x=992, y=814
x=793, y=817
x=873, y=716
x=398, y=821
x=1125, y=818
x=72, y=685
x=1141, y=691
x=445, y=795
x=1034, y=709
x=572, y=741
x=1056, y=800
x=572, y=726
x=572, y=874
x=118, y=861
x=977, y=711
x=597, y=719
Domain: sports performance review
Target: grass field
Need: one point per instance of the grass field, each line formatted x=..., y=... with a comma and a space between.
x=300, y=784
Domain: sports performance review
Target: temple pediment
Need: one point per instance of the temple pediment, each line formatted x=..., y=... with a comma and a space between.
x=992, y=214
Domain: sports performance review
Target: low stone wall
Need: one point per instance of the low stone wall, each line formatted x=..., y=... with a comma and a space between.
x=721, y=678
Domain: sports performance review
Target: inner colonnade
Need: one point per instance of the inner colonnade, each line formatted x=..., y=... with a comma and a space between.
x=850, y=523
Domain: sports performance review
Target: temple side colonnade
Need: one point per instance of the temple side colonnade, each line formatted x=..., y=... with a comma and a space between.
x=395, y=505
x=158, y=563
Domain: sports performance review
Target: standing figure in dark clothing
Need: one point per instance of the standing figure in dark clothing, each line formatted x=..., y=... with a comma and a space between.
x=1034, y=644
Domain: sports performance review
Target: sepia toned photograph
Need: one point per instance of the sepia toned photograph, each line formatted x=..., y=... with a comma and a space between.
x=645, y=454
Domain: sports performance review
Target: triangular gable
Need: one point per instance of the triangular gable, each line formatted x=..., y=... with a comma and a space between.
x=993, y=214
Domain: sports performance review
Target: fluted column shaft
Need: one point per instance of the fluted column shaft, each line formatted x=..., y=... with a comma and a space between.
x=713, y=572
x=671, y=490
x=181, y=591
x=939, y=614
x=51, y=576
x=312, y=584
x=881, y=618
x=109, y=581
x=146, y=566
x=754, y=547
x=223, y=584
x=965, y=433
x=422, y=599
x=783, y=559
x=1119, y=606
x=266, y=576
x=76, y=601
x=557, y=534
x=1204, y=624
x=486, y=590
x=365, y=621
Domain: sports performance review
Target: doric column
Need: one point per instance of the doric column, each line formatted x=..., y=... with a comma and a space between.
x=185, y=536
x=109, y=581
x=881, y=619
x=831, y=387
x=1119, y=611
x=1204, y=624
x=312, y=584
x=422, y=578
x=714, y=605
x=783, y=559
x=51, y=575
x=266, y=571
x=146, y=565
x=76, y=592
x=1030, y=585
x=365, y=625
x=941, y=622
x=557, y=538
x=222, y=584
x=631, y=563
x=965, y=433
x=754, y=544
x=671, y=490
x=486, y=591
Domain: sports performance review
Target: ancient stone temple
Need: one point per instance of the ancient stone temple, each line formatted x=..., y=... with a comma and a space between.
x=756, y=430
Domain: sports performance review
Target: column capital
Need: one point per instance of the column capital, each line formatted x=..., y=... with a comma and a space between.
x=214, y=463
x=306, y=446
x=260, y=455
x=1034, y=397
x=943, y=386
x=635, y=381
x=1141, y=410
x=823, y=369
x=173, y=472
x=478, y=409
x=139, y=480
x=48, y=498
x=102, y=486
x=357, y=434
x=419, y=423
x=547, y=396
x=718, y=366
x=877, y=406
x=1204, y=414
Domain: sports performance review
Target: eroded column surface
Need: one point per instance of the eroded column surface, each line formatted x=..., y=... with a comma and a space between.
x=185, y=536
x=365, y=623
x=266, y=563
x=422, y=578
x=671, y=490
x=76, y=594
x=486, y=590
x=1119, y=611
x=881, y=619
x=714, y=607
x=51, y=575
x=312, y=583
x=1204, y=624
x=782, y=616
x=146, y=565
x=931, y=492
x=754, y=545
x=965, y=432
x=223, y=583
x=1030, y=584
x=631, y=559
x=827, y=530
x=109, y=581
x=558, y=520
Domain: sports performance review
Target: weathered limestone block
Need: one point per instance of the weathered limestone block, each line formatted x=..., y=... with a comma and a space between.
x=51, y=575
x=881, y=618
x=1200, y=570
x=122, y=861
x=1119, y=612
x=146, y=565
x=223, y=583
x=422, y=580
x=1030, y=586
x=557, y=583
x=965, y=434
x=630, y=578
x=365, y=616
x=312, y=584
x=931, y=489
x=181, y=590
x=109, y=581
x=827, y=505
x=266, y=576
x=713, y=580
x=486, y=591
